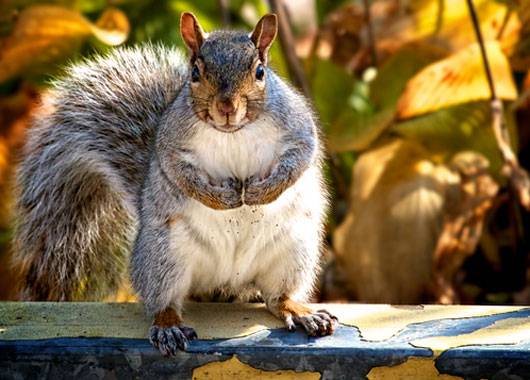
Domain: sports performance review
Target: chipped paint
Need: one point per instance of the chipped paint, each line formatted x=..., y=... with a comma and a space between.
x=381, y=322
x=412, y=369
x=80, y=338
x=212, y=321
x=233, y=369
x=503, y=332
x=229, y=320
x=41, y=320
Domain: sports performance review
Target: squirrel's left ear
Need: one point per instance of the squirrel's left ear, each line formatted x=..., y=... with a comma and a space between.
x=192, y=33
x=264, y=34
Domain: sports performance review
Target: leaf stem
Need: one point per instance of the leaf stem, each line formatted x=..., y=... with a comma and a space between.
x=517, y=176
x=370, y=30
x=480, y=39
x=224, y=7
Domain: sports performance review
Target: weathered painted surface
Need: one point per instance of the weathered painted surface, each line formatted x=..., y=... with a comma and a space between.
x=240, y=341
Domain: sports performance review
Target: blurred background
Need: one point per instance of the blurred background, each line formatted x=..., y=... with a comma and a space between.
x=430, y=191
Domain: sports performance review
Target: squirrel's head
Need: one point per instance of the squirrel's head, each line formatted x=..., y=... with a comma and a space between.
x=228, y=71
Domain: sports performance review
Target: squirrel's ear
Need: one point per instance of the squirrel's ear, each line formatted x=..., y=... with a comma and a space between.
x=192, y=33
x=264, y=34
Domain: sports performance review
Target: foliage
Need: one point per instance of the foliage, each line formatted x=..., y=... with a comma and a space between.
x=421, y=80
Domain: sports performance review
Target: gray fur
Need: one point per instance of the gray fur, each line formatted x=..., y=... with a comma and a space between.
x=227, y=56
x=83, y=167
x=112, y=162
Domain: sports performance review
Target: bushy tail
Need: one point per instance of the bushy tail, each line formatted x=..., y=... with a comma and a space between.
x=82, y=170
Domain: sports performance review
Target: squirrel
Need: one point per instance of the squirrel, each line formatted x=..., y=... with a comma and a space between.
x=205, y=172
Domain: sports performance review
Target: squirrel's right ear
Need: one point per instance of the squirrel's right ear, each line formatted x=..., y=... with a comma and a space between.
x=192, y=33
x=264, y=34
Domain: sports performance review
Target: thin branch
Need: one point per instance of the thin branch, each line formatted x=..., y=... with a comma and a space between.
x=521, y=100
x=370, y=30
x=296, y=71
x=505, y=20
x=224, y=6
x=480, y=39
x=439, y=17
x=517, y=176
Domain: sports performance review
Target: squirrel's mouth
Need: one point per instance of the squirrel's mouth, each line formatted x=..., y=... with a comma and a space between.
x=227, y=127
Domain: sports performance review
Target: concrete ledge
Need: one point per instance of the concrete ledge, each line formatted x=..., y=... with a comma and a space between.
x=241, y=341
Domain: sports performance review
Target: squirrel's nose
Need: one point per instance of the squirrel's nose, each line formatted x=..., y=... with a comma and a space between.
x=225, y=107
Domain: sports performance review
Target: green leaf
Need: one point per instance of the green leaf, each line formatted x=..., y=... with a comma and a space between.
x=354, y=130
x=332, y=87
x=453, y=129
x=393, y=76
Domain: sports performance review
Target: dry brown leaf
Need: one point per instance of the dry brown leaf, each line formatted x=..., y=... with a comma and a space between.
x=467, y=205
x=520, y=54
x=44, y=33
x=458, y=79
x=385, y=244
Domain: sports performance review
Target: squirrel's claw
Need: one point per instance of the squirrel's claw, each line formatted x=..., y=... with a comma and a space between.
x=188, y=332
x=319, y=323
x=169, y=340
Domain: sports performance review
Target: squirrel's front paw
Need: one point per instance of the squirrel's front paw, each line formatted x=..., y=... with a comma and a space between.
x=228, y=194
x=260, y=191
x=170, y=339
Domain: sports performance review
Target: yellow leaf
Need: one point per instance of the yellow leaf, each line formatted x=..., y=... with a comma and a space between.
x=450, y=20
x=44, y=33
x=443, y=23
x=458, y=79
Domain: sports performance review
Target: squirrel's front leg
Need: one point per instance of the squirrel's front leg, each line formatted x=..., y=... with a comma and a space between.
x=260, y=191
x=291, y=165
x=292, y=313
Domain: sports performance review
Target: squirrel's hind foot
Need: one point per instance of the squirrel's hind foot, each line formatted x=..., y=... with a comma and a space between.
x=167, y=333
x=319, y=323
x=168, y=340
x=315, y=323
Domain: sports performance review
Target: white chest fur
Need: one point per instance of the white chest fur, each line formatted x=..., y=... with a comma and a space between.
x=231, y=248
x=250, y=151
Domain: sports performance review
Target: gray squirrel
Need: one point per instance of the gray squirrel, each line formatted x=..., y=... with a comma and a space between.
x=208, y=171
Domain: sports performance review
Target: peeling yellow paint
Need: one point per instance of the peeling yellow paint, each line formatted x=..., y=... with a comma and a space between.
x=41, y=320
x=38, y=320
x=229, y=320
x=412, y=369
x=504, y=331
x=381, y=322
x=233, y=369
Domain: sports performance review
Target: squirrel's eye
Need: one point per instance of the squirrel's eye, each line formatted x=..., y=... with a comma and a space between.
x=195, y=74
x=260, y=72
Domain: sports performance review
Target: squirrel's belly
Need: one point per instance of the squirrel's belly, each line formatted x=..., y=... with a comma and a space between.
x=235, y=241
x=237, y=245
